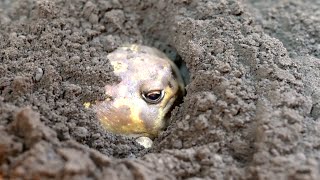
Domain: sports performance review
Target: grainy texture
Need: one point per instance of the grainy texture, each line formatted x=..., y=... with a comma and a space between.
x=251, y=111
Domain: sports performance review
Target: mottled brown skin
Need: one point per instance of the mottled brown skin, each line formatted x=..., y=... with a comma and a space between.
x=126, y=109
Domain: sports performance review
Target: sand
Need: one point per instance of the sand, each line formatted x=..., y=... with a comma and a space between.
x=251, y=110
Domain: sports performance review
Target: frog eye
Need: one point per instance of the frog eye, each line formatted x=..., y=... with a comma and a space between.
x=153, y=97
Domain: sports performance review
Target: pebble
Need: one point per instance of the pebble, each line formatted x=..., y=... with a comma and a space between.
x=144, y=141
x=39, y=74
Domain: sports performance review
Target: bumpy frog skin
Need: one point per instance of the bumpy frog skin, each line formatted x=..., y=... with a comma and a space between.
x=150, y=84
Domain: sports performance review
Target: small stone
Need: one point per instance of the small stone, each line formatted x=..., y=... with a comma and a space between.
x=144, y=141
x=39, y=74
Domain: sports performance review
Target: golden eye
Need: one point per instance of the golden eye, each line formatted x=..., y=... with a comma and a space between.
x=153, y=97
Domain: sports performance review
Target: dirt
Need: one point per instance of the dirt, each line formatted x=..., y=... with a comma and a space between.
x=252, y=108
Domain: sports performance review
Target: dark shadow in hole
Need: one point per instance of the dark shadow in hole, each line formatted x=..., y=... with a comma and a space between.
x=173, y=55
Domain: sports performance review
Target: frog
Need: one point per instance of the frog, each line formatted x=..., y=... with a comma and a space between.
x=140, y=104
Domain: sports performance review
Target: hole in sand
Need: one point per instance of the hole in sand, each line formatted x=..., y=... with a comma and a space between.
x=143, y=119
x=175, y=57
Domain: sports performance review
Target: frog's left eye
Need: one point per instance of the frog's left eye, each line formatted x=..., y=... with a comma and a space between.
x=153, y=97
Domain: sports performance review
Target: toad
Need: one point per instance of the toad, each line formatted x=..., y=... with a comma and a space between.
x=139, y=105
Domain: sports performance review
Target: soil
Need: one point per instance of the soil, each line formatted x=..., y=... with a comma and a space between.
x=252, y=108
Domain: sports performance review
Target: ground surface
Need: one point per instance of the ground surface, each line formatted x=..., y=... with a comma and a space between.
x=251, y=110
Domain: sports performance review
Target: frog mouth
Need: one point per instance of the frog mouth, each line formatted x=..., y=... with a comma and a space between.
x=169, y=105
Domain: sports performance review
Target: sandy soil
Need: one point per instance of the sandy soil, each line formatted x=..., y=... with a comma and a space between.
x=251, y=110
